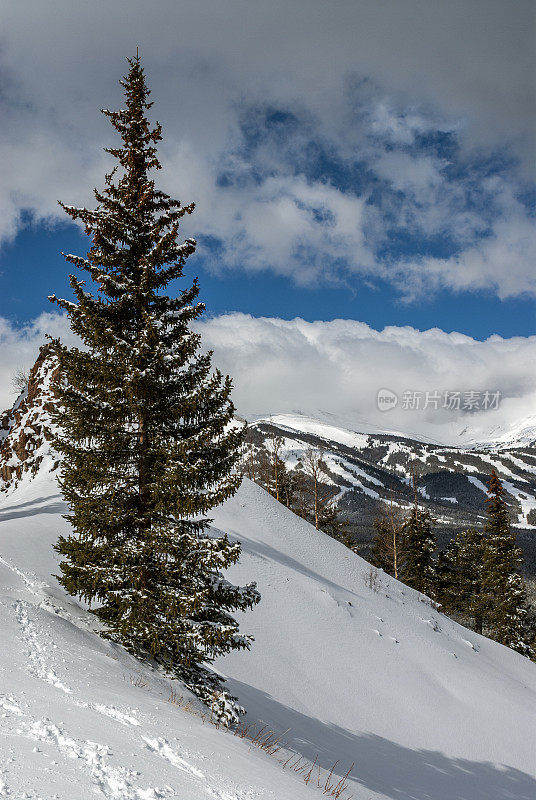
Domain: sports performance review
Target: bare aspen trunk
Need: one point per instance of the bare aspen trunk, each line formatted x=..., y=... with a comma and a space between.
x=394, y=532
x=316, y=502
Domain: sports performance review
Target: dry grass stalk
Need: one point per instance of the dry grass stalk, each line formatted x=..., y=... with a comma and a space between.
x=271, y=743
x=174, y=697
x=138, y=681
x=324, y=778
x=372, y=579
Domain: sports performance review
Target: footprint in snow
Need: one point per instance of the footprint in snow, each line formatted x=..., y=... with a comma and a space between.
x=115, y=713
x=164, y=749
x=433, y=624
x=38, y=652
x=9, y=706
x=115, y=783
x=471, y=645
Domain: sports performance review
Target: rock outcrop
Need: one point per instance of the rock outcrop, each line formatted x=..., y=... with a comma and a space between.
x=25, y=428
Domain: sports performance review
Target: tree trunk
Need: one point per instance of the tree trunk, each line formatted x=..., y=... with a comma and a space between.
x=142, y=463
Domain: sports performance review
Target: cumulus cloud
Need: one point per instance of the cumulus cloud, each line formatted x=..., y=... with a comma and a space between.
x=311, y=136
x=333, y=370
x=503, y=262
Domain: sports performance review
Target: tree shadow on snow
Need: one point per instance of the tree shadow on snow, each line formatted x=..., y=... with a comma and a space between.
x=267, y=553
x=41, y=505
x=383, y=766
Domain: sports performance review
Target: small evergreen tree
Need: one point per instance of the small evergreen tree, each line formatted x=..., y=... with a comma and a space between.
x=301, y=493
x=144, y=429
x=460, y=576
x=330, y=520
x=381, y=556
x=502, y=585
x=419, y=545
x=276, y=466
x=287, y=487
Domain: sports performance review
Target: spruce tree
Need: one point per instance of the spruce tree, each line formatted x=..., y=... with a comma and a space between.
x=419, y=546
x=144, y=428
x=381, y=556
x=460, y=576
x=503, y=588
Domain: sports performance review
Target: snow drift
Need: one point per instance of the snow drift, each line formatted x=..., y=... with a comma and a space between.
x=357, y=666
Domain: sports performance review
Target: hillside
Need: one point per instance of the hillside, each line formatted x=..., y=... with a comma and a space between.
x=370, y=467
x=80, y=718
x=356, y=670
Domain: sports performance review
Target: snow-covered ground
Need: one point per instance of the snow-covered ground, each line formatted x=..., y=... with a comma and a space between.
x=357, y=667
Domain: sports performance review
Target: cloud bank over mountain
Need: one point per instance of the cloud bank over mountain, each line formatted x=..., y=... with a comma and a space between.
x=335, y=369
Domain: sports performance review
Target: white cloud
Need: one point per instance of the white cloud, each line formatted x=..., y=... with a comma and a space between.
x=297, y=228
x=503, y=263
x=335, y=369
x=463, y=67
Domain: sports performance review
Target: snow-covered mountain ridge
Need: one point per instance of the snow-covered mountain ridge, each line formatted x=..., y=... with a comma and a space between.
x=521, y=434
x=369, y=468
x=495, y=436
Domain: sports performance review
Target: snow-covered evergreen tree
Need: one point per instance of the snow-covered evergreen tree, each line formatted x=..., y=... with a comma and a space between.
x=145, y=428
x=502, y=585
x=419, y=545
x=460, y=575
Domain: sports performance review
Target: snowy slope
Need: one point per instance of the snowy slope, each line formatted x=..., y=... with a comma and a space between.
x=79, y=718
x=376, y=676
x=359, y=673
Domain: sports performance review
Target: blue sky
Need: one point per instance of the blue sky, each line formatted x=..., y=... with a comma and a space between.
x=418, y=195
x=32, y=267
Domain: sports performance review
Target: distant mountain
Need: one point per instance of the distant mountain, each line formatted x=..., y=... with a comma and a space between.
x=372, y=467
